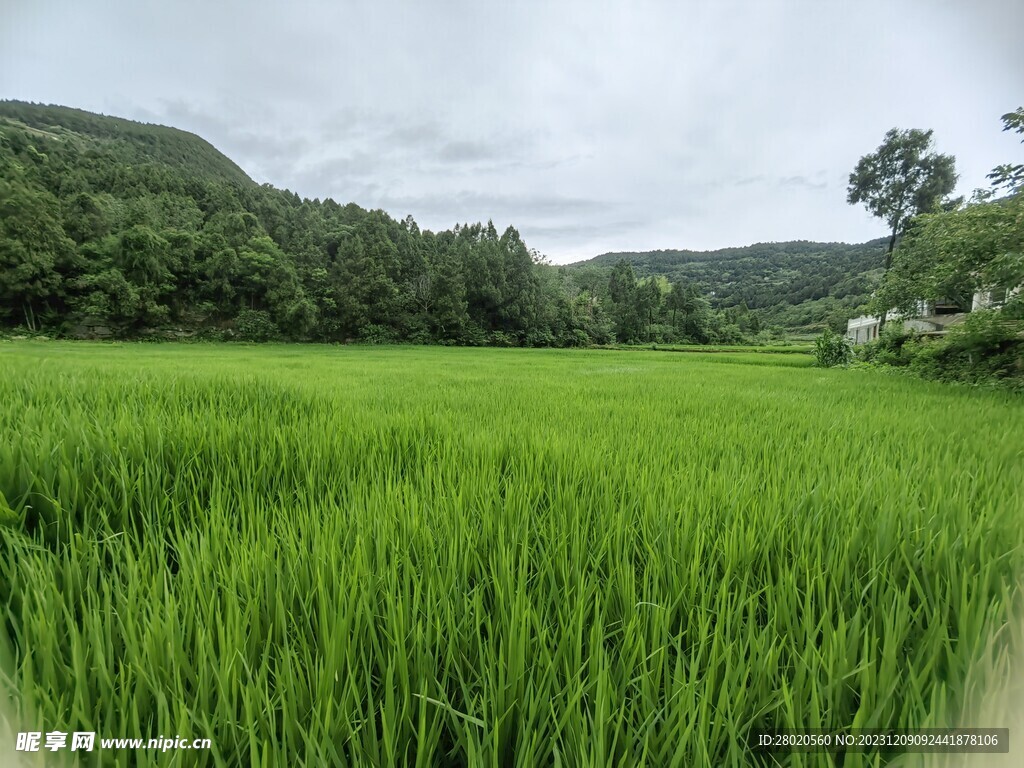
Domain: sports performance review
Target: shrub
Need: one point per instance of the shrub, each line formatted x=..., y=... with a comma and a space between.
x=577, y=337
x=420, y=336
x=895, y=345
x=831, y=349
x=501, y=339
x=987, y=346
x=472, y=335
x=661, y=334
x=540, y=338
x=927, y=358
x=377, y=334
x=255, y=325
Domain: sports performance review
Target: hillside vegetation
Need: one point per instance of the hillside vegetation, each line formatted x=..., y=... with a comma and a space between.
x=793, y=285
x=125, y=141
x=111, y=227
x=119, y=228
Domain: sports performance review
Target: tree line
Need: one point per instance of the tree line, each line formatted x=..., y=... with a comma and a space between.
x=114, y=224
x=791, y=286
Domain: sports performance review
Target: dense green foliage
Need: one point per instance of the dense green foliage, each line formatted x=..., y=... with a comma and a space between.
x=987, y=349
x=129, y=142
x=797, y=286
x=129, y=227
x=832, y=349
x=1010, y=176
x=413, y=556
x=952, y=254
x=978, y=247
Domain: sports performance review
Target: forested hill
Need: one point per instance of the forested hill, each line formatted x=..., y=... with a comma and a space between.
x=130, y=141
x=792, y=284
x=114, y=228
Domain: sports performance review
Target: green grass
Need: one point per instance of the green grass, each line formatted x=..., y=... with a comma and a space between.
x=415, y=556
x=783, y=349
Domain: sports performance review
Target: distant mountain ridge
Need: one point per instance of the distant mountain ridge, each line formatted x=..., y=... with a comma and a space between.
x=672, y=255
x=134, y=141
x=796, y=284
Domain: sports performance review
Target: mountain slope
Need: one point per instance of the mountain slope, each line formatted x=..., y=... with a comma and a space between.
x=131, y=141
x=110, y=227
x=798, y=284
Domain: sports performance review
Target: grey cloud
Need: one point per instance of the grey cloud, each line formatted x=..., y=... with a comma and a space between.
x=255, y=141
x=580, y=230
x=358, y=165
x=466, y=151
x=467, y=205
x=802, y=182
x=682, y=125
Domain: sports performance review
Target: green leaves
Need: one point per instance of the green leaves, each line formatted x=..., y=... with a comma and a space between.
x=832, y=349
x=902, y=179
x=33, y=247
x=955, y=254
x=1010, y=175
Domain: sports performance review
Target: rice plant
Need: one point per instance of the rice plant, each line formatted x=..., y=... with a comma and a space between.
x=465, y=557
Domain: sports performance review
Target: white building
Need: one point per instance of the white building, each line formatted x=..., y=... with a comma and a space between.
x=863, y=329
x=933, y=318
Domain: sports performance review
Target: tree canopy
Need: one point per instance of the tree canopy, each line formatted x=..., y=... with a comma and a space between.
x=142, y=229
x=902, y=179
x=796, y=286
x=955, y=253
x=1010, y=175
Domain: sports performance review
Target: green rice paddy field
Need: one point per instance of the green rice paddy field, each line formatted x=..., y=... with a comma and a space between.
x=427, y=556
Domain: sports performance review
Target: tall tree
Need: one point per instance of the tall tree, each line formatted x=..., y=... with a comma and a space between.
x=33, y=249
x=900, y=180
x=955, y=253
x=622, y=291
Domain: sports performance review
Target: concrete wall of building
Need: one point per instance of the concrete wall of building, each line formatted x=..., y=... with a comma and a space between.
x=863, y=329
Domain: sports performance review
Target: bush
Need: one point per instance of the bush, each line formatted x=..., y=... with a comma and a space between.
x=540, y=338
x=895, y=345
x=255, y=325
x=831, y=349
x=661, y=334
x=726, y=334
x=420, y=336
x=987, y=347
x=472, y=335
x=501, y=339
x=928, y=358
x=577, y=337
x=377, y=334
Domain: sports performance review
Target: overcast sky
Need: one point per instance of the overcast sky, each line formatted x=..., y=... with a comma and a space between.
x=590, y=126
